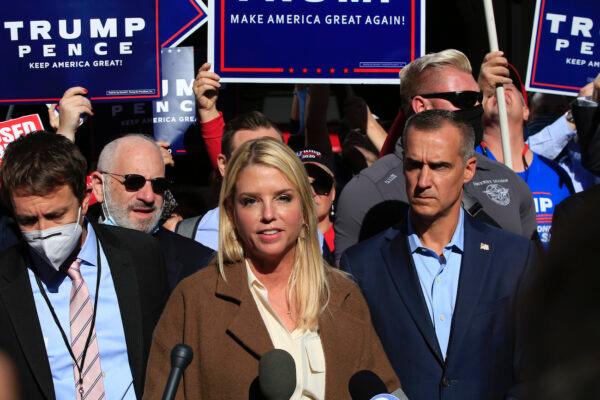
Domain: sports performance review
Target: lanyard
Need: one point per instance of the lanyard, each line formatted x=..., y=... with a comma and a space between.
x=487, y=153
x=62, y=332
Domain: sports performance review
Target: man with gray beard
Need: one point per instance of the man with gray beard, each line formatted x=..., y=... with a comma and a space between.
x=130, y=184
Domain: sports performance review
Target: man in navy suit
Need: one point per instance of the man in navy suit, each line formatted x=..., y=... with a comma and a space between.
x=441, y=286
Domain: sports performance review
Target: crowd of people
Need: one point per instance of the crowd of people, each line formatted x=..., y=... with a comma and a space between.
x=411, y=262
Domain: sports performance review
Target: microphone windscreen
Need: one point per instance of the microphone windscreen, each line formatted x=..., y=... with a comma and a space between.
x=181, y=356
x=364, y=385
x=399, y=393
x=277, y=375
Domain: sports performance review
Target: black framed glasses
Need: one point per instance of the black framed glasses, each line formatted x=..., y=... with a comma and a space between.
x=134, y=182
x=322, y=182
x=466, y=99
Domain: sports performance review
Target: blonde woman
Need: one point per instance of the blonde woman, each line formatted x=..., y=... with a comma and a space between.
x=269, y=288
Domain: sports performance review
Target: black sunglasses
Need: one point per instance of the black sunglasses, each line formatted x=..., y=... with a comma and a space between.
x=134, y=182
x=322, y=182
x=464, y=99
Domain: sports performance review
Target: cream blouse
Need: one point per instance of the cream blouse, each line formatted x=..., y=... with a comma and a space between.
x=304, y=346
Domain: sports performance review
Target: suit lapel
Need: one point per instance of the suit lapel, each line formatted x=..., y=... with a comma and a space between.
x=246, y=327
x=473, y=270
x=126, y=288
x=17, y=295
x=400, y=266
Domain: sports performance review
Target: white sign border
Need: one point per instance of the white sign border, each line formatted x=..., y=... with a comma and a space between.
x=531, y=54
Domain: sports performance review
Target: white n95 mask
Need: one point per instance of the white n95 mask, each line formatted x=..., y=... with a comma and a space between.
x=55, y=244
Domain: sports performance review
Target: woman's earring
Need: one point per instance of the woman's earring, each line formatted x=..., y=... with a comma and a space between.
x=332, y=212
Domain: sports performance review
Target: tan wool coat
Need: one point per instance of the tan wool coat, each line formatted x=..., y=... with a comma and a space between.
x=221, y=322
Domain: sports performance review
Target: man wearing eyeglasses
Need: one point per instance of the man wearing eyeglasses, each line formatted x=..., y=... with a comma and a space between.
x=376, y=199
x=130, y=184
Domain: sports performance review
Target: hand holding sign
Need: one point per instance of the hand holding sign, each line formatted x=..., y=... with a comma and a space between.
x=494, y=72
x=165, y=152
x=72, y=106
x=596, y=95
x=206, y=89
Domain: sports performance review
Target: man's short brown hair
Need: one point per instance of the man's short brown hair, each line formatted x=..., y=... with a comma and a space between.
x=39, y=163
x=250, y=121
x=433, y=120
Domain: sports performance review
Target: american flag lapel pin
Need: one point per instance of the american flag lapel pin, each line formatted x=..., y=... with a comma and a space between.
x=484, y=246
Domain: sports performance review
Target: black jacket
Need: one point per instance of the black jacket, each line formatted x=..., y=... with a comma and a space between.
x=183, y=256
x=138, y=271
x=587, y=120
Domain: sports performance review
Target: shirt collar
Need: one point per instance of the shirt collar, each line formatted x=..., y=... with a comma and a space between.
x=253, y=281
x=89, y=251
x=456, y=242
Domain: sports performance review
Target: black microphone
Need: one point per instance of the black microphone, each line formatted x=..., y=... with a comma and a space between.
x=365, y=384
x=277, y=375
x=181, y=357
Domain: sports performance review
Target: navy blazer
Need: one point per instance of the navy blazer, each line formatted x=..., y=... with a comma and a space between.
x=484, y=347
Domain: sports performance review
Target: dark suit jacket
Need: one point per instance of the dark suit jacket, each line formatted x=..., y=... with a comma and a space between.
x=183, y=256
x=587, y=120
x=222, y=324
x=483, y=348
x=138, y=272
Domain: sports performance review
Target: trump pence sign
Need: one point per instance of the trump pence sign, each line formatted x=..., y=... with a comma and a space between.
x=565, y=46
x=111, y=47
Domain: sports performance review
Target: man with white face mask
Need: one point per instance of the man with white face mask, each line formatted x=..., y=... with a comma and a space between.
x=130, y=183
x=78, y=301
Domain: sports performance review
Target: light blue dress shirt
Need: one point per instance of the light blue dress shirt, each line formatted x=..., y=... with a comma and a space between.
x=438, y=276
x=118, y=381
x=552, y=139
x=208, y=230
x=556, y=139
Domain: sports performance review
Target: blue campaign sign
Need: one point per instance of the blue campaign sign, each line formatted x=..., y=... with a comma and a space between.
x=565, y=46
x=314, y=41
x=175, y=112
x=111, y=47
x=179, y=19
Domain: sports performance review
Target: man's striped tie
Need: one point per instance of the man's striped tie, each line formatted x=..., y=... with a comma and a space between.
x=81, y=311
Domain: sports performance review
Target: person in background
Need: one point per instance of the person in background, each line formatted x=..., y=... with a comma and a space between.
x=376, y=198
x=269, y=289
x=78, y=300
x=210, y=120
x=322, y=181
x=130, y=185
x=549, y=183
x=566, y=212
x=586, y=114
x=551, y=131
x=441, y=285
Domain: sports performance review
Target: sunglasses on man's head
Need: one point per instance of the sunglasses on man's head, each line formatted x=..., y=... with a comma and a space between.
x=134, y=182
x=322, y=182
x=464, y=99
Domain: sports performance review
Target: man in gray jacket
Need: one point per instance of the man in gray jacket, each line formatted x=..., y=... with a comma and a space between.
x=376, y=198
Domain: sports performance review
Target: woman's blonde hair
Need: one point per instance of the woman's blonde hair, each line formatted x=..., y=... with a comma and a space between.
x=308, y=284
